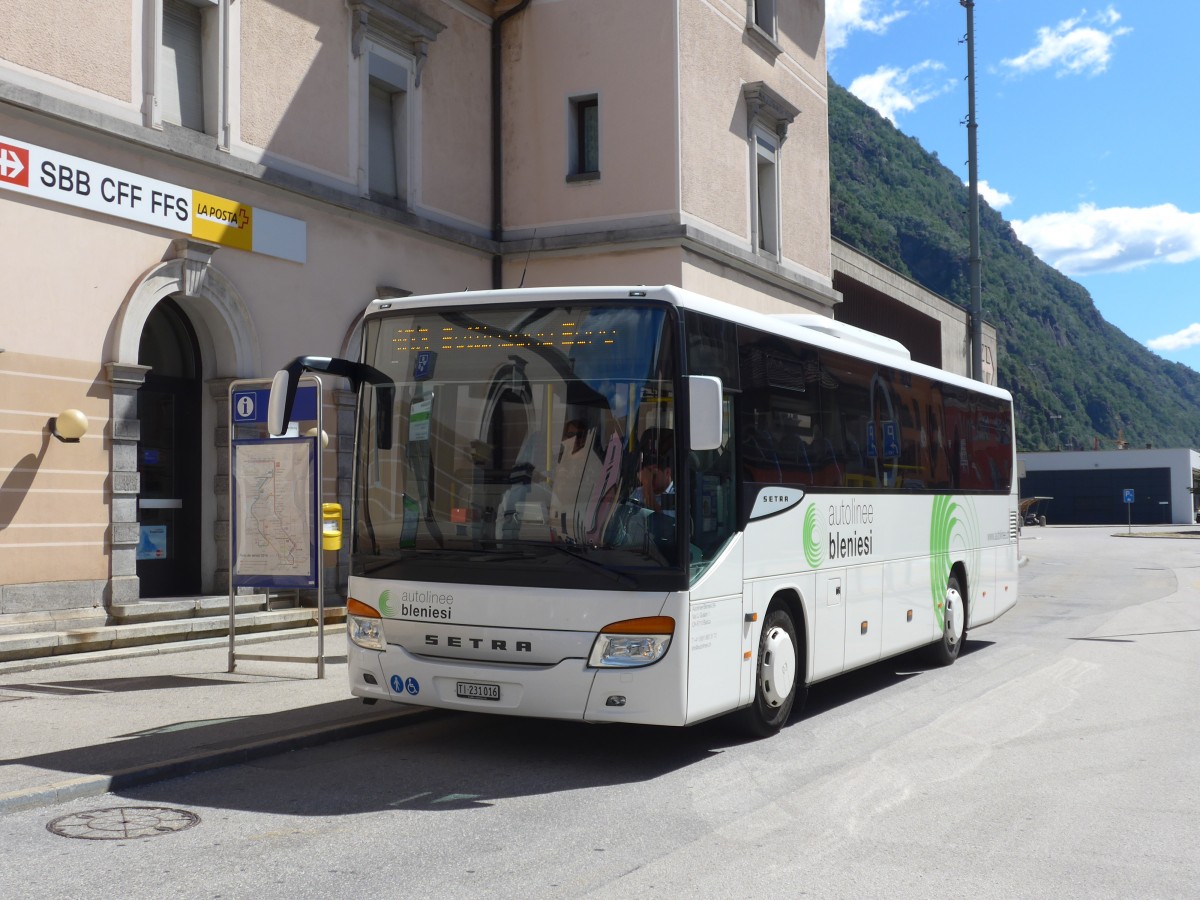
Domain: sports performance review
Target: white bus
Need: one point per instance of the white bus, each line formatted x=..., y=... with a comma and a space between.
x=644, y=505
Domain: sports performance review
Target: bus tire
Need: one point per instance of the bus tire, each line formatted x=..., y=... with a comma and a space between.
x=778, y=681
x=954, y=625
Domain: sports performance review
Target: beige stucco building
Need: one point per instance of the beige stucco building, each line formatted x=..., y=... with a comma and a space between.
x=195, y=191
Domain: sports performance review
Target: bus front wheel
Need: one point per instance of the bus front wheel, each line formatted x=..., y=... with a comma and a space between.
x=954, y=625
x=778, y=682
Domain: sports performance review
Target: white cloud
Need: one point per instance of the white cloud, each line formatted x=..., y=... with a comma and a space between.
x=892, y=91
x=996, y=199
x=845, y=16
x=1091, y=240
x=1180, y=340
x=1079, y=46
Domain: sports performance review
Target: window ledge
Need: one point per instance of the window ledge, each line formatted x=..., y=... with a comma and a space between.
x=583, y=177
x=763, y=41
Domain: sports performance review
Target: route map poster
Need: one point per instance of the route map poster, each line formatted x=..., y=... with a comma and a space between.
x=274, y=513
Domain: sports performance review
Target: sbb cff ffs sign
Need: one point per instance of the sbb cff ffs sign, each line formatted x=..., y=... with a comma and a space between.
x=85, y=184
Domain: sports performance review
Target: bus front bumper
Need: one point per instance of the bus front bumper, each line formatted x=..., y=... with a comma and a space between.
x=568, y=690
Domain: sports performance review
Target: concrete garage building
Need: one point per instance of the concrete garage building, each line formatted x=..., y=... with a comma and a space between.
x=1089, y=486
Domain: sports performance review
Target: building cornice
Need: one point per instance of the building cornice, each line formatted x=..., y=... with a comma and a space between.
x=689, y=238
x=768, y=108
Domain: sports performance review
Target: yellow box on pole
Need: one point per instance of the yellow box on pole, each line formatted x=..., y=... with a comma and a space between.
x=331, y=526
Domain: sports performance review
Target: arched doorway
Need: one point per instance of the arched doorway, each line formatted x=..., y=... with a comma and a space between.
x=210, y=313
x=169, y=455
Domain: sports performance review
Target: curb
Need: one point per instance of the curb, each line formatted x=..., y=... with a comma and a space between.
x=136, y=776
x=74, y=659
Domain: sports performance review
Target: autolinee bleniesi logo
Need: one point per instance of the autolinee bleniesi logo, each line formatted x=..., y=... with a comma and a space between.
x=813, y=538
x=953, y=533
x=417, y=605
x=851, y=530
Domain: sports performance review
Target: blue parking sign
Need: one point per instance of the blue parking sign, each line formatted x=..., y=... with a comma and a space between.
x=423, y=365
x=1128, y=495
x=891, y=440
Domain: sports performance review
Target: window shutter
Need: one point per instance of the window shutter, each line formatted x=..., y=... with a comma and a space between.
x=381, y=150
x=181, y=90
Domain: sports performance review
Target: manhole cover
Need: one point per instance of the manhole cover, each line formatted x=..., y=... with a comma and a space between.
x=119, y=823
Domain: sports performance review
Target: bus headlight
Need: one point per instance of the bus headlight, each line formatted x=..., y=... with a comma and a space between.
x=364, y=625
x=632, y=642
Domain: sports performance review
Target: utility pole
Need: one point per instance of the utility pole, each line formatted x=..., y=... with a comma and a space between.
x=973, y=211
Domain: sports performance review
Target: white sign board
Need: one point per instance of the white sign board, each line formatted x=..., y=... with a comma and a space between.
x=49, y=175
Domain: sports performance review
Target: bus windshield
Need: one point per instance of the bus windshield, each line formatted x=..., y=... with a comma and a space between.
x=531, y=445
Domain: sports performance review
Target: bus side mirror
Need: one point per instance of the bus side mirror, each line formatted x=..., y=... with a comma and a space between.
x=279, y=404
x=283, y=392
x=705, y=411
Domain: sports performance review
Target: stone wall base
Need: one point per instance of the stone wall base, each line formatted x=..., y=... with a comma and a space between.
x=51, y=595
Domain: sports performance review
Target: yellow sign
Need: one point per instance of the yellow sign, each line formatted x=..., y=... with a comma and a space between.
x=222, y=221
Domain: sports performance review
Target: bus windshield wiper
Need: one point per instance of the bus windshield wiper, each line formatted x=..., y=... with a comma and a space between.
x=576, y=552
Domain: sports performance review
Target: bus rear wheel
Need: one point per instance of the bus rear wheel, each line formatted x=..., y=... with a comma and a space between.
x=778, y=683
x=954, y=625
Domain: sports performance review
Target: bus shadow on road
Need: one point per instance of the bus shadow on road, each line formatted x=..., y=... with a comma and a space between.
x=445, y=762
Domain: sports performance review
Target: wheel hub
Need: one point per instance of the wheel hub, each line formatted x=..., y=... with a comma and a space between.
x=778, y=669
x=954, y=615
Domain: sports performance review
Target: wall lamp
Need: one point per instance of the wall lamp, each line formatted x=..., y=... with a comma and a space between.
x=69, y=426
x=312, y=433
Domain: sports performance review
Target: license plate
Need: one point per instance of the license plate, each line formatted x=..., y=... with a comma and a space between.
x=473, y=690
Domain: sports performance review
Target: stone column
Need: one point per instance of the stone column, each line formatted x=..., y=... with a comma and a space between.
x=126, y=484
x=218, y=390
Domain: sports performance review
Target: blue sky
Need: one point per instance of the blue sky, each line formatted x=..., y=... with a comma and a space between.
x=1089, y=134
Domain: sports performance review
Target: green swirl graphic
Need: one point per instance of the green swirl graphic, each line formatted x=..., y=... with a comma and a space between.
x=941, y=525
x=385, y=604
x=813, y=542
x=953, y=526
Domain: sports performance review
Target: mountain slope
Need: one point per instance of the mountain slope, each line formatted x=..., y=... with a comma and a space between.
x=1074, y=377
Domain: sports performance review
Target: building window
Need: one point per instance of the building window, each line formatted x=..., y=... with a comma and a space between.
x=768, y=116
x=763, y=16
x=584, y=138
x=183, y=59
x=766, y=194
x=388, y=149
x=391, y=42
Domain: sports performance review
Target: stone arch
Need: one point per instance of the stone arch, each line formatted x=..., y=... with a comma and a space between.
x=229, y=341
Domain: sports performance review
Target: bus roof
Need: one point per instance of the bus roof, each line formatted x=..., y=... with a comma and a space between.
x=819, y=331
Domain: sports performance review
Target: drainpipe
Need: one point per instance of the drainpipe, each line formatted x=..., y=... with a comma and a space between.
x=497, y=142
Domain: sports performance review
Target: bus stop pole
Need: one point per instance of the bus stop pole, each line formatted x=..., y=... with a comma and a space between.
x=320, y=526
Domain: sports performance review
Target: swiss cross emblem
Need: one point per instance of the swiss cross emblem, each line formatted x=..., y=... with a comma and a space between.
x=14, y=165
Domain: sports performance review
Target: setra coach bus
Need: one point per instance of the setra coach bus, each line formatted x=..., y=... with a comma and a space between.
x=635, y=504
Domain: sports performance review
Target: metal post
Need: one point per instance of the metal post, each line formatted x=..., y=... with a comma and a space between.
x=975, y=261
x=320, y=550
x=232, y=525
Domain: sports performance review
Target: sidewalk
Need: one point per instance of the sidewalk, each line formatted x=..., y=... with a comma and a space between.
x=84, y=725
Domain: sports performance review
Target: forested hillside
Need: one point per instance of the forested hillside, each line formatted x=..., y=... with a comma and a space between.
x=1074, y=377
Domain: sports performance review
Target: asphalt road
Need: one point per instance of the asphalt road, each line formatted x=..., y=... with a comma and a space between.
x=1057, y=758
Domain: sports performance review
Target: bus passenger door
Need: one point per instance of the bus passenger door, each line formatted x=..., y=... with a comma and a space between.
x=829, y=626
x=864, y=615
x=716, y=637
